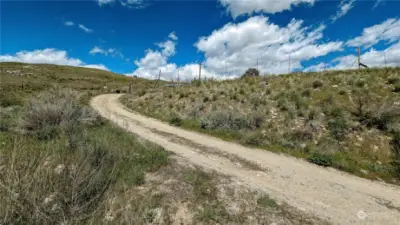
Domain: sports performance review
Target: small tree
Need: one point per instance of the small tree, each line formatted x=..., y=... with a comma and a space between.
x=251, y=72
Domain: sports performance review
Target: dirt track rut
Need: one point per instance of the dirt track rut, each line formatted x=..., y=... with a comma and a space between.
x=326, y=193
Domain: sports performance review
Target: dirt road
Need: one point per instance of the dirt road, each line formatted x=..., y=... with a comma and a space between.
x=329, y=194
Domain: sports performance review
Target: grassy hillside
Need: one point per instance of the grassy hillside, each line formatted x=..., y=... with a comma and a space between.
x=60, y=163
x=19, y=80
x=349, y=120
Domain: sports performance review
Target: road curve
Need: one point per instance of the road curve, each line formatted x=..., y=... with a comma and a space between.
x=326, y=193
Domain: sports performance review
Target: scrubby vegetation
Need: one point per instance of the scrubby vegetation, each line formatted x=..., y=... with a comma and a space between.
x=60, y=163
x=344, y=119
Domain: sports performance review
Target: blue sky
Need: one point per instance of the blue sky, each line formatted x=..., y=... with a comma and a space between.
x=227, y=36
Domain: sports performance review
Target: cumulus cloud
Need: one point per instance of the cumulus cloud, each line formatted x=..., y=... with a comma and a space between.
x=344, y=8
x=87, y=30
x=241, y=7
x=234, y=48
x=371, y=58
x=111, y=51
x=69, y=23
x=156, y=60
x=49, y=56
x=388, y=30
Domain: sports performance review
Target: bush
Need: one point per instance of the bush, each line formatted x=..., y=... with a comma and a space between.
x=253, y=139
x=306, y=93
x=321, y=159
x=251, y=72
x=393, y=80
x=9, y=99
x=396, y=87
x=141, y=93
x=54, y=111
x=360, y=83
x=396, y=143
x=196, y=82
x=206, y=99
x=317, y=84
x=48, y=184
x=175, y=120
x=338, y=127
x=230, y=120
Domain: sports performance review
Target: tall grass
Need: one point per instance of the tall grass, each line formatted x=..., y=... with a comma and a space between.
x=64, y=161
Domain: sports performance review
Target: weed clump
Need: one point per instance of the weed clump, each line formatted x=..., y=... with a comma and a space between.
x=54, y=111
x=317, y=84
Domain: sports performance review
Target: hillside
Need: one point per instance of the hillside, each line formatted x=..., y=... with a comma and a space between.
x=61, y=163
x=349, y=120
x=20, y=79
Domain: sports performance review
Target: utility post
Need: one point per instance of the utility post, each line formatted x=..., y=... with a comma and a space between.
x=200, y=72
x=384, y=57
x=358, y=58
x=257, y=62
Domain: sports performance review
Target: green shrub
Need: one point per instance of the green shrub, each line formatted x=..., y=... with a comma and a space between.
x=214, y=97
x=393, y=80
x=317, y=84
x=175, y=120
x=251, y=72
x=266, y=202
x=306, y=93
x=253, y=139
x=196, y=82
x=338, y=127
x=360, y=83
x=321, y=159
x=206, y=99
x=9, y=99
x=396, y=87
x=230, y=120
x=54, y=111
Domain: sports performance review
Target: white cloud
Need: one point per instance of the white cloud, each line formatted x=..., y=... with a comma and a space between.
x=344, y=8
x=388, y=30
x=377, y=3
x=231, y=50
x=155, y=61
x=111, y=51
x=240, y=7
x=315, y=68
x=69, y=23
x=173, y=36
x=87, y=30
x=371, y=58
x=49, y=56
x=132, y=4
x=97, y=66
x=105, y=2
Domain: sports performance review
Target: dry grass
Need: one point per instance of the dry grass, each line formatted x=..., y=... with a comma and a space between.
x=62, y=164
x=343, y=119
